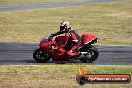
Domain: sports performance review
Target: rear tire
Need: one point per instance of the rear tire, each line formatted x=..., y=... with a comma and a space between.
x=40, y=57
x=93, y=52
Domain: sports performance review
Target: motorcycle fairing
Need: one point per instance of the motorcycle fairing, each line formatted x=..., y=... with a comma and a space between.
x=60, y=40
x=88, y=38
x=56, y=48
x=52, y=49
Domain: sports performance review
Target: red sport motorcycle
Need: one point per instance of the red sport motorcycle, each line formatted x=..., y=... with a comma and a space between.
x=55, y=49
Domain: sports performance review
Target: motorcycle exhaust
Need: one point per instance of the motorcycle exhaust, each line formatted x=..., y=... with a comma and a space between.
x=84, y=54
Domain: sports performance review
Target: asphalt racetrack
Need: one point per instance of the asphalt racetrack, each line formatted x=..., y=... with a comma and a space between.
x=21, y=54
x=51, y=5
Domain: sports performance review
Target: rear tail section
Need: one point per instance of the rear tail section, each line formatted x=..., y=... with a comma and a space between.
x=88, y=39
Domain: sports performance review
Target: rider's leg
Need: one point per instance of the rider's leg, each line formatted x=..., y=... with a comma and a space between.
x=72, y=49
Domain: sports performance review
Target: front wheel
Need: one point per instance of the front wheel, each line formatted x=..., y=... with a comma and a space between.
x=90, y=55
x=40, y=57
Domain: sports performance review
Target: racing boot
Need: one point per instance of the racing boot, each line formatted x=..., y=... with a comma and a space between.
x=71, y=51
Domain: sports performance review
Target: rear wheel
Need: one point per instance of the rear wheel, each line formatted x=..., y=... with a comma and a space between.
x=40, y=57
x=90, y=56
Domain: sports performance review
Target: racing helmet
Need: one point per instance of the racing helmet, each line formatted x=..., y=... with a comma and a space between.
x=64, y=25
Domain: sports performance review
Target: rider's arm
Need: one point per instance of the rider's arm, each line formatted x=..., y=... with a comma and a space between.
x=57, y=33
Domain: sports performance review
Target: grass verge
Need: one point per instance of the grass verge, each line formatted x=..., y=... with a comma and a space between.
x=56, y=76
x=110, y=22
x=18, y=2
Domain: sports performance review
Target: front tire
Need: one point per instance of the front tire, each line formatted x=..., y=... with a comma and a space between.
x=92, y=55
x=40, y=57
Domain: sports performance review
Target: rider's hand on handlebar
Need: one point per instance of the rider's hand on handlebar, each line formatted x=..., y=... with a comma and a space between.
x=50, y=37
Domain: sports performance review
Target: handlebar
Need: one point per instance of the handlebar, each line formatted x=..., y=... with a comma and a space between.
x=50, y=38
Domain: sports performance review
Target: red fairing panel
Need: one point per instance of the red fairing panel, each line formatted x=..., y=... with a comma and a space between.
x=86, y=38
x=45, y=44
x=60, y=40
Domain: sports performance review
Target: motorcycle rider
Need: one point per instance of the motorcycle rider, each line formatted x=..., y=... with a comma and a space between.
x=72, y=38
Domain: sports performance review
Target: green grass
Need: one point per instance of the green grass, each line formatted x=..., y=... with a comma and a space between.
x=56, y=76
x=112, y=23
x=18, y=2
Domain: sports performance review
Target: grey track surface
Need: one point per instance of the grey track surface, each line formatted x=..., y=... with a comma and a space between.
x=51, y=5
x=21, y=54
